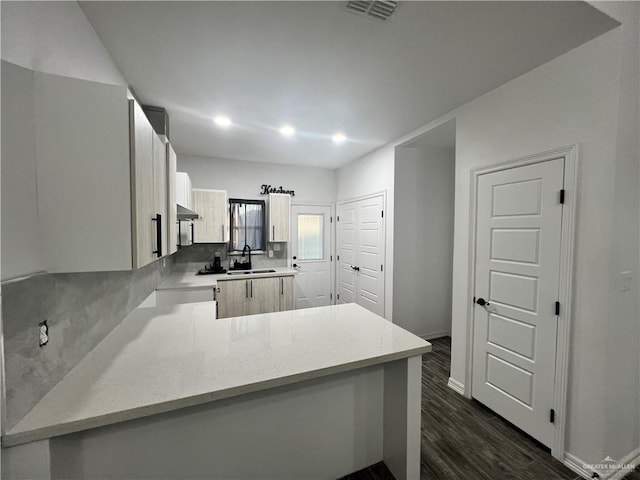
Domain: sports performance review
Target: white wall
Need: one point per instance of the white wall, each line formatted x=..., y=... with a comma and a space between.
x=622, y=420
x=53, y=37
x=570, y=100
x=374, y=173
x=243, y=179
x=423, y=240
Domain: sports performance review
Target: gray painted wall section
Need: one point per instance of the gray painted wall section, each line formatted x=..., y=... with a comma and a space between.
x=80, y=309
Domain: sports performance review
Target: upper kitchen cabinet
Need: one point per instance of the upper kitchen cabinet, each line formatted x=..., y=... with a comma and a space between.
x=184, y=198
x=184, y=195
x=279, y=212
x=172, y=219
x=101, y=187
x=213, y=208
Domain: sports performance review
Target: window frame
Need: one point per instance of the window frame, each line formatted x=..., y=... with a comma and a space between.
x=262, y=247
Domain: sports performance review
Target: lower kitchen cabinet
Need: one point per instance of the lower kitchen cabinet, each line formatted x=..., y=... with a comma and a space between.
x=286, y=293
x=251, y=296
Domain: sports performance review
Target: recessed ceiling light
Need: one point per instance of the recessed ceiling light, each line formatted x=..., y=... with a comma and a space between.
x=287, y=130
x=222, y=121
x=338, y=137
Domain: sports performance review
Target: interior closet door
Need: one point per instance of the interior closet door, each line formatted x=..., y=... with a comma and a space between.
x=360, y=254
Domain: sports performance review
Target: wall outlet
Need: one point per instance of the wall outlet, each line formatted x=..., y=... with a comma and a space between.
x=270, y=253
x=43, y=333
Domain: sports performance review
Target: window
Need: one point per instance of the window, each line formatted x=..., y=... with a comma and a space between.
x=247, y=224
x=310, y=237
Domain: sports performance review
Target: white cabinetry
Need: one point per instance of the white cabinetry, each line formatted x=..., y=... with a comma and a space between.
x=213, y=224
x=184, y=197
x=279, y=212
x=172, y=228
x=96, y=180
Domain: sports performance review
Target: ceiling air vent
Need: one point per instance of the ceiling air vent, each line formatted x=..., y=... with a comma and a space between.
x=381, y=10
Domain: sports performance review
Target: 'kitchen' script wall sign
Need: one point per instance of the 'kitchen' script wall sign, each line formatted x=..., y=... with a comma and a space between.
x=267, y=189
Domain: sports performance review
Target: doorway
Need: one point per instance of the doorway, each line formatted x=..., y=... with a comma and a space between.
x=518, y=332
x=312, y=255
x=360, y=252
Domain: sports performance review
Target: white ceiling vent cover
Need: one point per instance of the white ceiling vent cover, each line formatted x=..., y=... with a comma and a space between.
x=381, y=10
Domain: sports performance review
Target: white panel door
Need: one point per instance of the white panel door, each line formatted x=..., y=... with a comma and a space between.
x=360, y=253
x=346, y=253
x=518, y=227
x=311, y=250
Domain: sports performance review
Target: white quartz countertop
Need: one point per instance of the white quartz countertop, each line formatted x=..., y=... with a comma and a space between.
x=161, y=359
x=189, y=280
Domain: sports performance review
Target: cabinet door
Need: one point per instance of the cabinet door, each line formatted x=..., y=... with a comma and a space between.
x=264, y=295
x=82, y=160
x=142, y=181
x=172, y=235
x=286, y=293
x=183, y=190
x=212, y=206
x=279, y=213
x=160, y=192
x=233, y=298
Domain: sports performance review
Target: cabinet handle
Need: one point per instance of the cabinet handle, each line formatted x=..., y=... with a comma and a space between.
x=222, y=233
x=251, y=288
x=193, y=235
x=246, y=288
x=273, y=230
x=158, y=220
x=282, y=286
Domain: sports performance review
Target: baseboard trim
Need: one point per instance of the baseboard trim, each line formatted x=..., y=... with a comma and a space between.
x=432, y=335
x=578, y=466
x=574, y=463
x=456, y=386
x=633, y=459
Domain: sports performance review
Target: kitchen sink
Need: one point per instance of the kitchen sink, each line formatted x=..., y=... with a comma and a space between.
x=247, y=272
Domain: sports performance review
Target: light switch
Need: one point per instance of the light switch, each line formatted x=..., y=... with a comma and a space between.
x=625, y=284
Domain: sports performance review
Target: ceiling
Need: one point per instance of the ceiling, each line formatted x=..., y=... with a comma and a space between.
x=323, y=68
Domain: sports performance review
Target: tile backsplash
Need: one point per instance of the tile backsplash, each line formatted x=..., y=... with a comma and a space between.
x=196, y=256
x=80, y=309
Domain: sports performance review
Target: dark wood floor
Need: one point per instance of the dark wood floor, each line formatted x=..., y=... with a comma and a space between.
x=461, y=439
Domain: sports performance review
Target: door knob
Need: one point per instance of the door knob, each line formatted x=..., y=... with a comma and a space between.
x=482, y=302
x=295, y=265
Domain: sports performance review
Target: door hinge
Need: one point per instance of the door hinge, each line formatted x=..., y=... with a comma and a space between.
x=338, y=218
x=557, y=308
x=330, y=219
x=562, y=196
x=474, y=299
x=331, y=258
x=382, y=213
x=331, y=296
x=338, y=296
x=552, y=416
x=381, y=268
x=338, y=258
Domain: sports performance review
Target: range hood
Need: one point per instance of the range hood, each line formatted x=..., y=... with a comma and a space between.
x=186, y=214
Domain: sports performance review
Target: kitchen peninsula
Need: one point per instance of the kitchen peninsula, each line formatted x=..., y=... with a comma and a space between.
x=173, y=393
